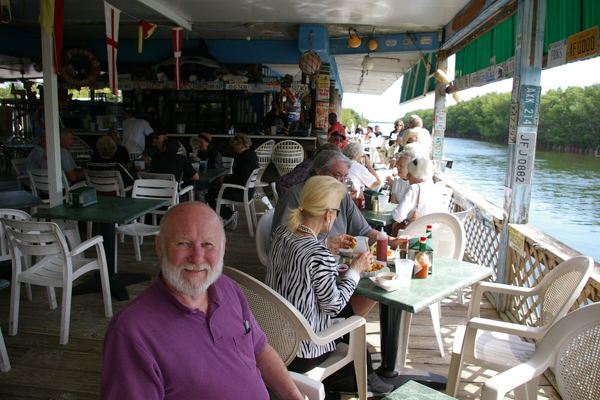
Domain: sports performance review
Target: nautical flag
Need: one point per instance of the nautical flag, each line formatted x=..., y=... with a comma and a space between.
x=51, y=19
x=145, y=30
x=111, y=17
x=177, y=34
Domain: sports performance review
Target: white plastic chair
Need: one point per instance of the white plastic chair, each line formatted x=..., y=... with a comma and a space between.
x=571, y=347
x=133, y=147
x=147, y=189
x=40, y=183
x=263, y=236
x=58, y=267
x=170, y=177
x=228, y=164
x=286, y=155
x=247, y=202
x=106, y=182
x=285, y=327
x=5, y=247
x=313, y=389
x=4, y=360
x=263, y=152
x=80, y=148
x=275, y=195
x=20, y=173
x=497, y=345
x=449, y=240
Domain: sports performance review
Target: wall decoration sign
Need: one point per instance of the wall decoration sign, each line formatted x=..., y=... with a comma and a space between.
x=582, y=44
x=438, y=143
x=516, y=241
x=440, y=120
x=256, y=88
x=524, y=157
x=557, y=53
x=529, y=108
x=512, y=127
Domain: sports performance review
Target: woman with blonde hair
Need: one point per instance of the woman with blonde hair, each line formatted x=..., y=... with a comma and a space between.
x=303, y=270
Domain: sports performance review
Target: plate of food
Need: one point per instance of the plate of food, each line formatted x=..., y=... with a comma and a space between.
x=375, y=268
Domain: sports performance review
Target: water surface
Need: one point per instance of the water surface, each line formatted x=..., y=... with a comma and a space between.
x=565, y=194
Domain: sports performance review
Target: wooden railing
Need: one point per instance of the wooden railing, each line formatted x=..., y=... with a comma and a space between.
x=541, y=253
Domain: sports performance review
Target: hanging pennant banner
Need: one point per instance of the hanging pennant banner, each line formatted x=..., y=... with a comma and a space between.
x=177, y=34
x=144, y=31
x=111, y=17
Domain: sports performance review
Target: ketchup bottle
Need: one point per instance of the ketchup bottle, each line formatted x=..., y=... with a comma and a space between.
x=382, y=246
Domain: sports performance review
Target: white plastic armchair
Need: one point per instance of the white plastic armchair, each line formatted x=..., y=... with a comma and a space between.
x=247, y=201
x=285, y=327
x=169, y=177
x=228, y=164
x=263, y=236
x=20, y=173
x=313, y=389
x=449, y=240
x=5, y=246
x=194, y=144
x=157, y=189
x=497, y=345
x=571, y=347
x=286, y=155
x=58, y=267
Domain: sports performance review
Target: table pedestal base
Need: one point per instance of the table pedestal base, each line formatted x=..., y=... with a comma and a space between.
x=434, y=381
x=118, y=283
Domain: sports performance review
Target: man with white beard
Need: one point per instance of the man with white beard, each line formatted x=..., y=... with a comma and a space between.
x=190, y=334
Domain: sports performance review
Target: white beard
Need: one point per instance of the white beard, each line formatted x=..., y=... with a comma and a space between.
x=194, y=286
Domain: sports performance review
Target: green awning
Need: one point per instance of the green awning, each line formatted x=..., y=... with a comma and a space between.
x=416, y=83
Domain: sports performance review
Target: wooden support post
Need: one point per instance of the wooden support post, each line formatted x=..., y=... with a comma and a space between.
x=523, y=124
x=439, y=111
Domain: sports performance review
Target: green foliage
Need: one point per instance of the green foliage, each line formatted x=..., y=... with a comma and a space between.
x=349, y=115
x=568, y=117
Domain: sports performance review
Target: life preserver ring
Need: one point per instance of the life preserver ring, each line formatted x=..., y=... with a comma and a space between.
x=38, y=117
x=68, y=73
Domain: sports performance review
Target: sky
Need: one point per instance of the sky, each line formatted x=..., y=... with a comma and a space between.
x=385, y=107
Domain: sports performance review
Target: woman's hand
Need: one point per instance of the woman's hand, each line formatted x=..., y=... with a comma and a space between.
x=362, y=262
x=399, y=242
x=196, y=158
x=335, y=243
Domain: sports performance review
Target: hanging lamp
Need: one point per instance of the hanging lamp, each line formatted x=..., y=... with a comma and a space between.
x=368, y=63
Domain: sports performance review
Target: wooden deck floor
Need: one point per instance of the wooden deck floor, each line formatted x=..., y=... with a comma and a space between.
x=43, y=369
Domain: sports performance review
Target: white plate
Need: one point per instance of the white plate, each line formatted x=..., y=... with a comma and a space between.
x=386, y=288
x=374, y=273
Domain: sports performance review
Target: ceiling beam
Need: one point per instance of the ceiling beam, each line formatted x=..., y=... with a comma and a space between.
x=167, y=12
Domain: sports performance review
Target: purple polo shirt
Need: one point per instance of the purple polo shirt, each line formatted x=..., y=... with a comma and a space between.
x=157, y=348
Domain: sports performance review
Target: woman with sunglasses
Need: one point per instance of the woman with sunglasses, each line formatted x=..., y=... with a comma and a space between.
x=397, y=132
x=303, y=270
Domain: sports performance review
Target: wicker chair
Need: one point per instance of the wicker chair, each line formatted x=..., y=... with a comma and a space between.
x=263, y=152
x=80, y=148
x=133, y=147
x=286, y=155
x=285, y=327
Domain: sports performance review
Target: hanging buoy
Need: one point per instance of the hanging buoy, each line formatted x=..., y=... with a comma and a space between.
x=69, y=74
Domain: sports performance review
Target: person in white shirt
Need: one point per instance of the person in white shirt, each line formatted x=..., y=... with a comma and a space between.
x=400, y=183
x=360, y=175
x=422, y=195
x=136, y=129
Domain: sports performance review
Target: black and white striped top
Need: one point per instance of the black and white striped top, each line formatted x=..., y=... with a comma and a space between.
x=304, y=272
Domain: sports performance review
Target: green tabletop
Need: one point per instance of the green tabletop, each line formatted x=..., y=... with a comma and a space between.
x=380, y=218
x=111, y=210
x=211, y=175
x=18, y=199
x=449, y=277
x=412, y=390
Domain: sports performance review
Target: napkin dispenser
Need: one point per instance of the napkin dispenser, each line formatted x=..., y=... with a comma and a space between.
x=369, y=195
x=83, y=197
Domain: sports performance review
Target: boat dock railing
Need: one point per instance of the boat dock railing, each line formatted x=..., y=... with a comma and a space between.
x=540, y=254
